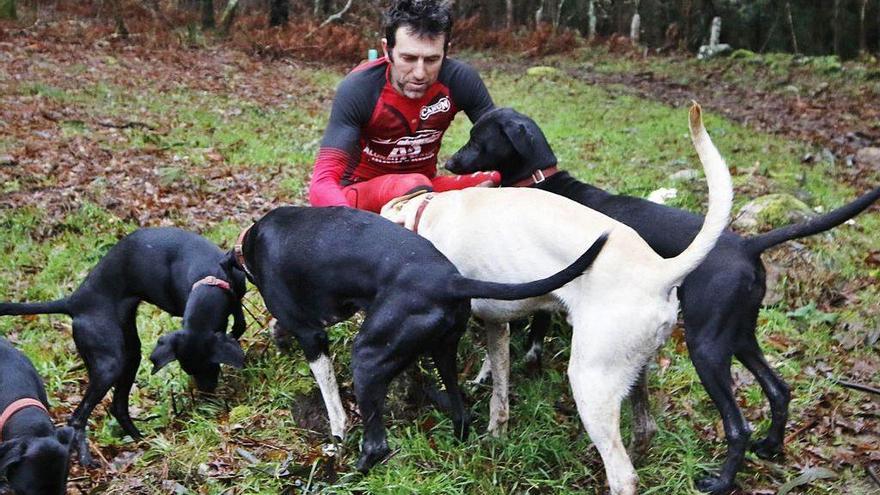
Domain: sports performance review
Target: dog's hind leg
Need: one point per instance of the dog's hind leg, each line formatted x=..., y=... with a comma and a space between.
x=498, y=347
x=373, y=372
x=712, y=360
x=644, y=426
x=777, y=392
x=122, y=387
x=100, y=343
x=445, y=361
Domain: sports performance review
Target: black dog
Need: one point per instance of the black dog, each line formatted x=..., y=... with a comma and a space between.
x=162, y=267
x=318, y=266
x=719, y=300
x=34, y=454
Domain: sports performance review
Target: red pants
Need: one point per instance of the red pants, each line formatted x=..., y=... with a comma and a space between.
x=372, y=194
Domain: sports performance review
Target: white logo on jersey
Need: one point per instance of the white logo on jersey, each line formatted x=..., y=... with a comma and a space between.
x=443, y=105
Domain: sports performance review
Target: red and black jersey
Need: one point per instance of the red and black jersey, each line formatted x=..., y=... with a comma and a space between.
x=374, y=130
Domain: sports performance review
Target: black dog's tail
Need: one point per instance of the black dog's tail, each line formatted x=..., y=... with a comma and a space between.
x=756, y=245
x=465, y=287
x=58, y=306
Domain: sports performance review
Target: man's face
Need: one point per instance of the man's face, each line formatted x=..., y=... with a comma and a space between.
x=415, y=62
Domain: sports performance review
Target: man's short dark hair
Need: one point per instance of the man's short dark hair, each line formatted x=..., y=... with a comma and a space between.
x=430, y=18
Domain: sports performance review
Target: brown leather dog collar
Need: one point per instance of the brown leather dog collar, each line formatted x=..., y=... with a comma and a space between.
x=15, y=407
x=425, y=200
x=537, y=177
x=239, y=253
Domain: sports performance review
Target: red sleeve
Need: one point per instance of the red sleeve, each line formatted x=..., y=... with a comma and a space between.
x=324, y=190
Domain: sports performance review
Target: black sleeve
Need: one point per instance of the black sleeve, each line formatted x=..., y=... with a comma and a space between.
x=352, y=108
x=468, y=90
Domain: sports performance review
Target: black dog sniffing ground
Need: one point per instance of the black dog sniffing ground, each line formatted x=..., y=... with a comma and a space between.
x=178, y=271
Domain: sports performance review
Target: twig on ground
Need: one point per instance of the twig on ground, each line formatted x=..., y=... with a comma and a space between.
x=791, y=436
x=858, y=386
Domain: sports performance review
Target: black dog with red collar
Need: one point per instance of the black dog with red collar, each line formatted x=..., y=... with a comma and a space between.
x=166, y=267
x=34, y=455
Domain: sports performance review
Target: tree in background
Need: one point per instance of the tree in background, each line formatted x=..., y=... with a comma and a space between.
x=279, y=12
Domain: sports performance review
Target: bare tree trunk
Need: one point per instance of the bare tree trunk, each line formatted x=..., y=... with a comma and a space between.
x=208, y=14
x=539, y=14
x=558, y=14
x=316, y=11
x=116, y=8
x=688, y=4
x=7, y=9
x=279, y=12
x=228, y=17
x=863, y=37
x=835, y=27
x=509, y=14
x=591, y=14
x=794, y=43
x=635, y=28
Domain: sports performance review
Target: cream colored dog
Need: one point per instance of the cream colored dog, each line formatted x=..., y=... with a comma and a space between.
x=621, y=310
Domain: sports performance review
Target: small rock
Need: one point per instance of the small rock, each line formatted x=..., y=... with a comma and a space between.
x=771, y=211
x=869, y=157
x=711, y=51
x=687, y=174
x=7, y=161
x=662, y=195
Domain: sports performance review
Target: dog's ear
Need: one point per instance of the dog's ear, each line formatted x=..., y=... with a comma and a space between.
x=165, y=351
x=227, y=351
x=518, y=135
x=239, y=325
x=64, y=435
x=228, y=262
x=11, y=452
x=528, y=140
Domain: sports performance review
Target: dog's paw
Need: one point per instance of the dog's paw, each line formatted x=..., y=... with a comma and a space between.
x=715, y=486
x=767, y=449
x=368, y=459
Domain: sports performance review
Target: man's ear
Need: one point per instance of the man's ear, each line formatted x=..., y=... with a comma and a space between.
x=385, y=49
x=11, y=452
x=165, y=351
x=227, y=351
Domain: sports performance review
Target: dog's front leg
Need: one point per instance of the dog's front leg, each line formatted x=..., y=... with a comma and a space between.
x=498, y=343
x=322, y=368
x=485, y=372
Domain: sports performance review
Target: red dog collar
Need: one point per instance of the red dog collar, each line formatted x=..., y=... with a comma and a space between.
x=239, y=252
x=213, y=281
x=18, y=406
x=426, y=199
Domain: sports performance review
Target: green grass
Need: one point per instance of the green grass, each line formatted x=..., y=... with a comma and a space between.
x=254, y=435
